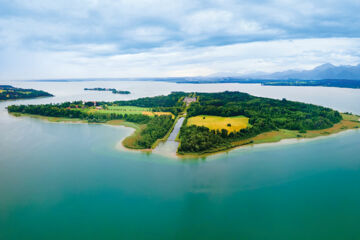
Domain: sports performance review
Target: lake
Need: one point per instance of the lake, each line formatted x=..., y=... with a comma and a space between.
x=71, y=181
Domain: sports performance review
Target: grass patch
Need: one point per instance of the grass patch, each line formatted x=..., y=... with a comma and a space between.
x=50, y=119
x=130, y=142
x=151, y=114
x=231, y=124
x=350, y=117
x=276, y=136
x=126, y=110
x=25, y=92
x=119, y=110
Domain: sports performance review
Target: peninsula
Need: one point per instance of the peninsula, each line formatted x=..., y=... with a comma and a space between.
x=213, y=121
x=8, y=92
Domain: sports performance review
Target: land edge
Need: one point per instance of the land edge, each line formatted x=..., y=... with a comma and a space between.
x=137, y=128
x=274, y=137
x=263, y=138
x=22, y=99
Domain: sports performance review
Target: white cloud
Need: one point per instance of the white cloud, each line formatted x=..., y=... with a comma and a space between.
x=147, y=34
x=213, y=21
x=122, y=38
x=178, y=60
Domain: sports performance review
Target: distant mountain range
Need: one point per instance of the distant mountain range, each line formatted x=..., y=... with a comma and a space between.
x=325, y=71
x=326, y=75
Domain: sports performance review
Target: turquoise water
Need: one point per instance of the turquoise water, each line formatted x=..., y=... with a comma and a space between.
x=70, y=181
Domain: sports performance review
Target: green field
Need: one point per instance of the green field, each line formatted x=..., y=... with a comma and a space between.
x=126, y=110
x=231, y=124
x=120, y=110
x=350, y=117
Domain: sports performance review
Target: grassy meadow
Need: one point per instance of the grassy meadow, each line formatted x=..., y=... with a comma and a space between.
x=126, y=110
x=231, y=124
x=120, y=110
x=350, y=117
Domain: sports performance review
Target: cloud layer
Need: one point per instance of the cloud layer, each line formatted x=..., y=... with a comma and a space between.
x=143, y=38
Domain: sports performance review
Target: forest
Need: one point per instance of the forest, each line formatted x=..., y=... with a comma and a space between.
x=170, y=103
x=156, y=127
x=8, y=92
x=264, y=115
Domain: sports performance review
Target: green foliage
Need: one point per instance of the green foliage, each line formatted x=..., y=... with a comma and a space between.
x=171, y=100
x=66, y=110
x=264, y=115
x=49, y=110
x=199, y=139
x=156, y=128
x=9, y=92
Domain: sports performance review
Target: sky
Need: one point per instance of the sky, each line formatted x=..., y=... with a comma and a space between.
x=47, y=39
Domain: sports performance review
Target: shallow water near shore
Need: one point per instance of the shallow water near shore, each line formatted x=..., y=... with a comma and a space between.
x=70, y=181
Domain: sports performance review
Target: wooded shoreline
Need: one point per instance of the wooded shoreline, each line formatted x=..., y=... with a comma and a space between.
x=240, y=119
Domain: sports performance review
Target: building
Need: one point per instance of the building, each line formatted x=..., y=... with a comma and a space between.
x=189, y=100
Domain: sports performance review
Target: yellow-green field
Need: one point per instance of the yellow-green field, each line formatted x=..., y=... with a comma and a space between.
x=127, y=110
x=350, y=117
x=214, y=122
x=120, y=110
x=151, y=114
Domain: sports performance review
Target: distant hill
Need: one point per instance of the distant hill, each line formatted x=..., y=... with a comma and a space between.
x=325, y=71
x=326, y=75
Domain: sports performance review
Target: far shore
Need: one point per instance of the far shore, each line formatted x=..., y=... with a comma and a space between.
x=349, y=122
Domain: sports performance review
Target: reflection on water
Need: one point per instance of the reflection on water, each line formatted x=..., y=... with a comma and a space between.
x=169, y=148
x=176, y=129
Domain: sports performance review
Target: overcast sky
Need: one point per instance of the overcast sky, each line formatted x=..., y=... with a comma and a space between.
x=46, y=39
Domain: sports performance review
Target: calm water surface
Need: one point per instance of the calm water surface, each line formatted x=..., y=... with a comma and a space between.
x=70, y=181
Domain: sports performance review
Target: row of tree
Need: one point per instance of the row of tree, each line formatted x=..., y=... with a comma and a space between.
x=64, y=110
x=156, y=127
x=171, y=100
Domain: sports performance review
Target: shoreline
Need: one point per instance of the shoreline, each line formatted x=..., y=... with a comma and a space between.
x=284, y=141
x=21, y=99
x=112, y=123
x=280, y=137
x=349, y=122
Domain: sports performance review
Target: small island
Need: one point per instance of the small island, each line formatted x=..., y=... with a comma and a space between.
x=8, y=92
x=113, y=90
x=213, y=122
